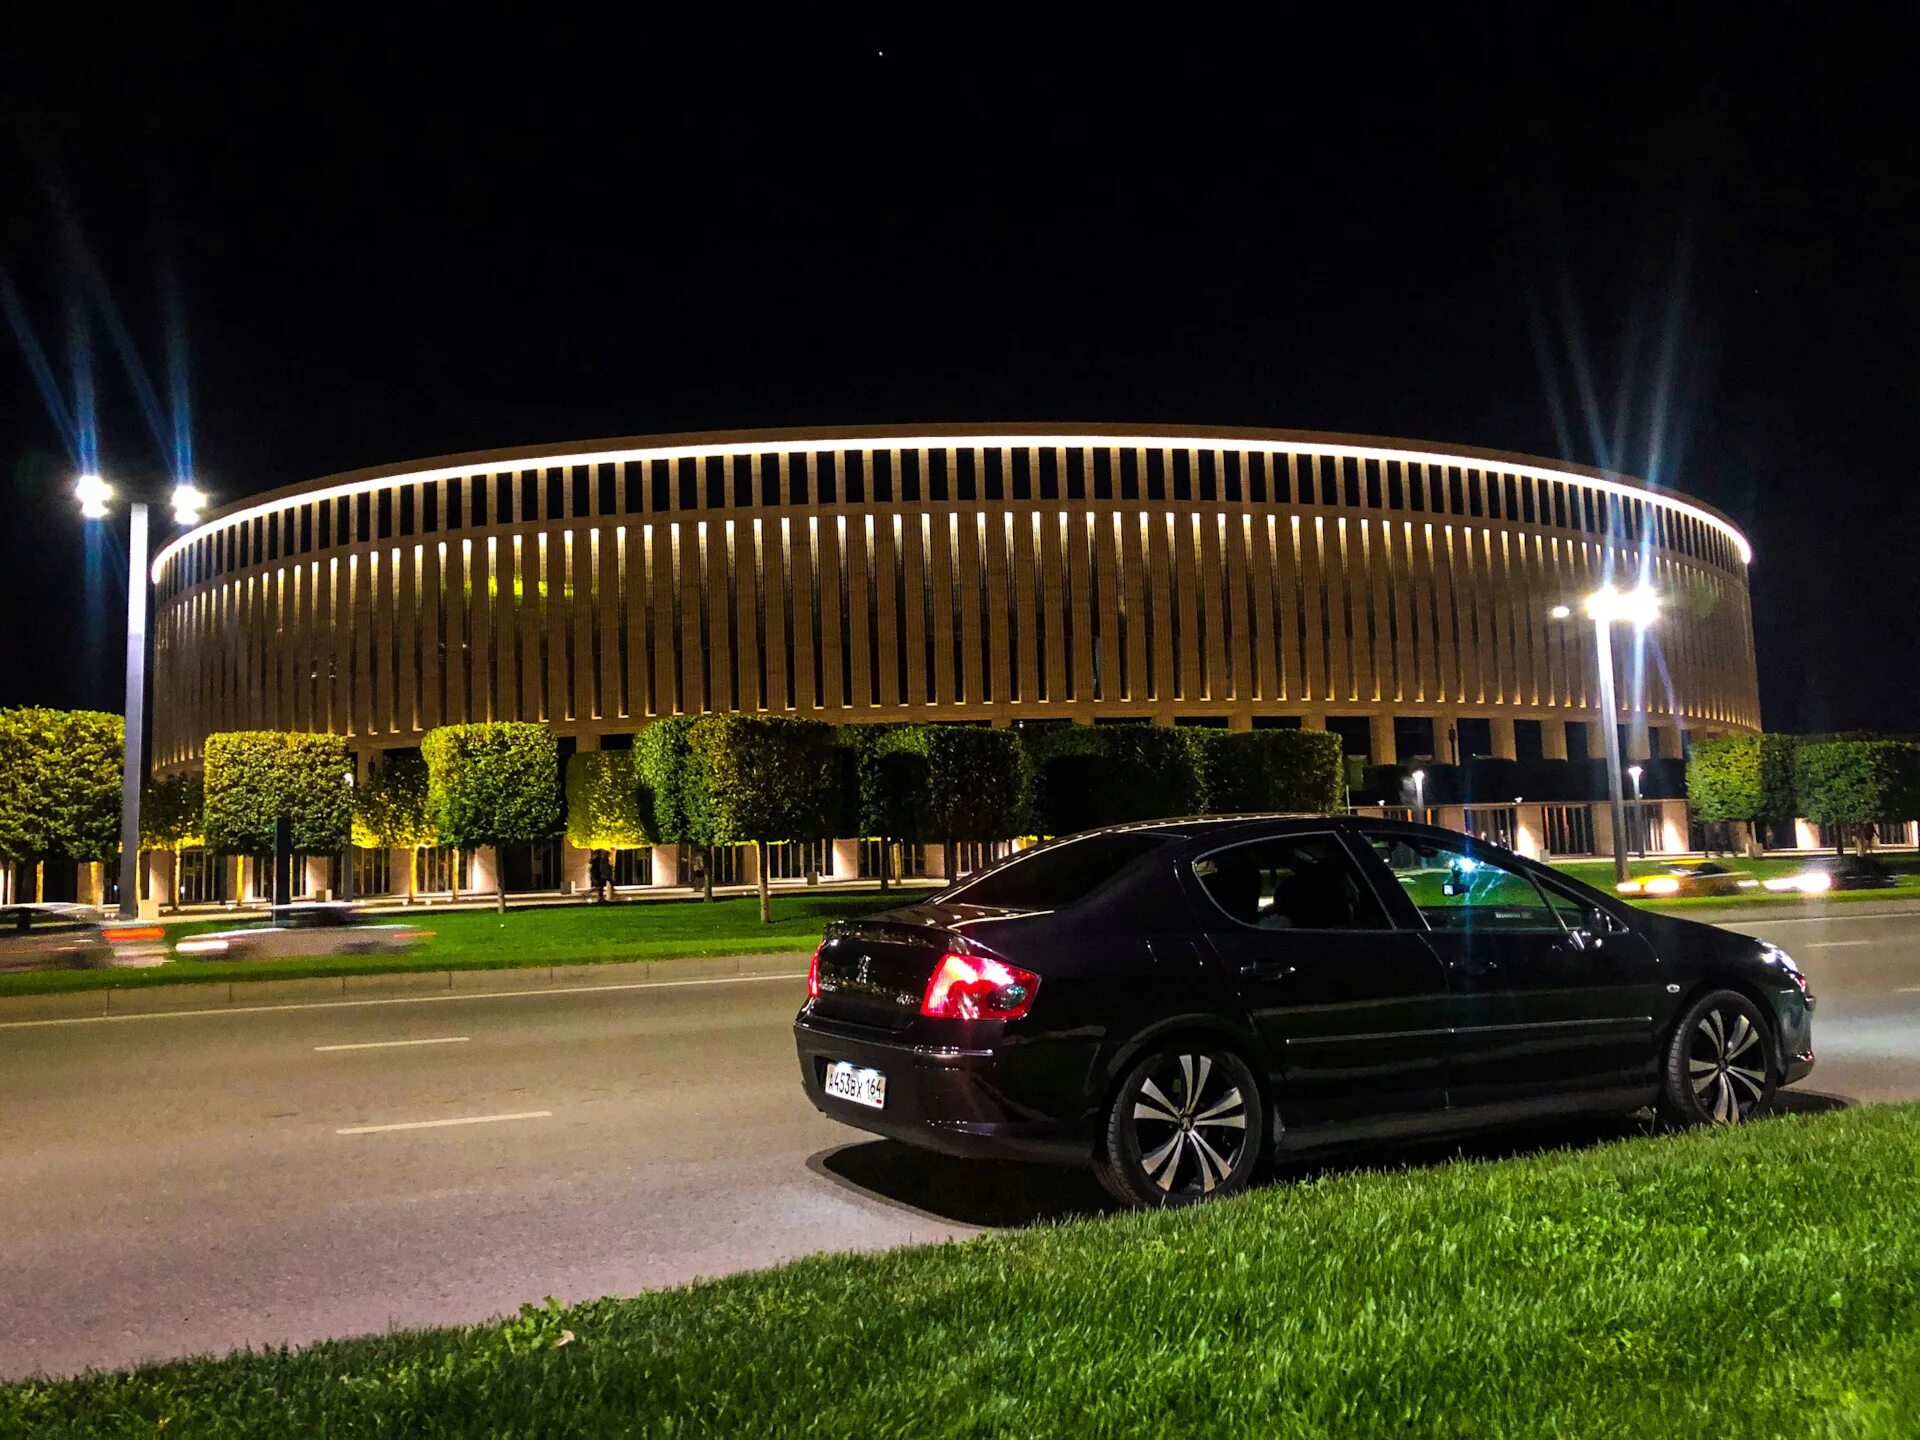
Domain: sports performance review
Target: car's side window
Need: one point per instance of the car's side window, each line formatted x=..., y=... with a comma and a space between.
x=1293, y=882
x=1453, y=890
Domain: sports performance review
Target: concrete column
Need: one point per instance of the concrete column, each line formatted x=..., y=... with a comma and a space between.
x=1806, y=835
x=483, y=869
x=1313, y=720
x=1451, y=817
x=1380, y=740
x=1602, y=829
x=89, y=882
x=160, y=870
x=1670, y=832
x=1639, y=741
x=575, y=875
x=587, y=741
x=1530, y=831
x=317, y=875
x=846, y=860
x=1553, y=738
x=666, y=866
x=1670, y=746
x=937, y=862
x=1503, y=742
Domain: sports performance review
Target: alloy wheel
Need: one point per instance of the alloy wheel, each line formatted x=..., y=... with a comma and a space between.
x=1190, y=1119
x=1727, y=1066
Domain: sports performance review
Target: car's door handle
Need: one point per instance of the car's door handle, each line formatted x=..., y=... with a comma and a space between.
x=1267, y=970
x=1476, y=967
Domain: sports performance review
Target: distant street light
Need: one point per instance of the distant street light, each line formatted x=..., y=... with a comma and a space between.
x=1635, y=771
x=94, y=494
x=1638, y=607
x=1419, y=778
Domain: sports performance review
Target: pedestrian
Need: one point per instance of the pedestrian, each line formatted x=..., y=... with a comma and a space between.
x=600, y=872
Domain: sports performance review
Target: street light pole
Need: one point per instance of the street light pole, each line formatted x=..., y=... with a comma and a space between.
x=94, y=495
x=131, y=767
x=1603, y=638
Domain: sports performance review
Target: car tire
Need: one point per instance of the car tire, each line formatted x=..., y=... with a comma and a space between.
x=1721, y=1068
x=1185, y=1124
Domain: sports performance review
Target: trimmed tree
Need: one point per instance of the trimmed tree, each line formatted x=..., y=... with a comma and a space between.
x=253, y=777
x=171, y=819
x=1267, y=770
x=1852, y=784
x=977, y=784
x=890, y=782
x=390, y=809
x=495, y=783
x=603, y=801
x=59, y=784
x=672, y=801
x=764, y=778
x=1742, y=779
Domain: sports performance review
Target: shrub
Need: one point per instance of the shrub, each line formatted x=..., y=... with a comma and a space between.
x=603, y=801
x=496, y=783
x=252, y=778
x=60, y=783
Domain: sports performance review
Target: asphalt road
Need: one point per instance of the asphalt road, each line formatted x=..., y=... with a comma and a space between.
x=178, y=1183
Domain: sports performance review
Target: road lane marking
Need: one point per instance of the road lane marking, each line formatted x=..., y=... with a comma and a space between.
x=401, y=1000
x=441, y=1124
x=392, y=1044
x=1839, y=944
x=1907, y=914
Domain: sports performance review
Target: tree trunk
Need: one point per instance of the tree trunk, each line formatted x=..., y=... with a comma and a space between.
x=886, y=861
x=499, y=884
x=760, y=866
x=413, y=867
x=173, y=885
x=706, y=872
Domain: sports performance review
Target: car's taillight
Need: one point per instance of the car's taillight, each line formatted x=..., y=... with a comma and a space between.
x=813, y=972
x=978, y=987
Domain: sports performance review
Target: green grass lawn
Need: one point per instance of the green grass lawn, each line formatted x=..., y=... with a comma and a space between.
x=1759, y=1282
x=484, y=940
x=1904, y=863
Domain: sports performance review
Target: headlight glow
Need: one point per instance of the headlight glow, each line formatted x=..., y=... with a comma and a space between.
x=1662, y=885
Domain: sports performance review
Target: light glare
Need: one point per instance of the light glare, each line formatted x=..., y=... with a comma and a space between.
x=93, y=493
x=1638, y=607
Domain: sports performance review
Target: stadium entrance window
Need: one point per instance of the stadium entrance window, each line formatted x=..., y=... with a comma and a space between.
x=1413, y=738
x=1476, y=737
x=1528, y=745
x=1355, y=732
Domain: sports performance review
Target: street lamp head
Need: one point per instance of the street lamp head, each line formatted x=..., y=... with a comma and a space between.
x=1635, y=771
x=188, y=502
x=1419, y=777
x=1561, y=612
x=1638, y=607
x=93, y=493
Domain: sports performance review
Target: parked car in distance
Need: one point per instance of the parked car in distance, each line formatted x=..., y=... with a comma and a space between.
x=1177, y=1002
x=52, y=937
x=1686, y=878
x=1822, y=873
x=303, y=929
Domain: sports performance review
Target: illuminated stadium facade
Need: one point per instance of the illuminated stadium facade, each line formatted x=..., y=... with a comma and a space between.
x=1397, y=591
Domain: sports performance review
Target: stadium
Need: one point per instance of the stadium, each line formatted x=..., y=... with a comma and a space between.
x=1398, y=592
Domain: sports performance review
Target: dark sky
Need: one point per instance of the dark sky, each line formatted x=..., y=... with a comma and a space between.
x=1690, y=253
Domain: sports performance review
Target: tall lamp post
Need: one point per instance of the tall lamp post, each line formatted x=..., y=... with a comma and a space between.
x=1638, y=607
x=1419, y=778
x=94, y=493
x=1633, y=773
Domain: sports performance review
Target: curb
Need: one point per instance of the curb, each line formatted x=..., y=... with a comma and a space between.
x=331, y=989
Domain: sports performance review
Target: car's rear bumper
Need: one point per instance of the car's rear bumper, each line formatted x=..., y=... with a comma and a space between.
x=938, y=1098
x=1798, y=1067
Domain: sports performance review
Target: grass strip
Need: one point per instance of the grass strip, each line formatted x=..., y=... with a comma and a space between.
x=484, y=940
x=1759, y=1282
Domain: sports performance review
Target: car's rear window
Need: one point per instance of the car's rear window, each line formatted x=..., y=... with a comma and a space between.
x=1057, y=875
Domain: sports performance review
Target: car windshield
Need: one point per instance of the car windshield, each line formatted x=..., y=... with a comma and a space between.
x=1058, y=874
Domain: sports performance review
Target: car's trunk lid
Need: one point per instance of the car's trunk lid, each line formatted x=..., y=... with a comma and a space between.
x=875, y=971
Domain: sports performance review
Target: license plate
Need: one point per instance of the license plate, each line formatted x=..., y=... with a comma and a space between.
x=857, y=1084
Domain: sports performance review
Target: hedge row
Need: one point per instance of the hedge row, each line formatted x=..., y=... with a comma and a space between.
x=1848, y=781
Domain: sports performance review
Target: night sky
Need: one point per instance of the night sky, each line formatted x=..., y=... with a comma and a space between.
x=1691, y=254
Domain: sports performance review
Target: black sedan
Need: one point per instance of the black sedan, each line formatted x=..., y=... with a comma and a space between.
x=1178, y=1002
